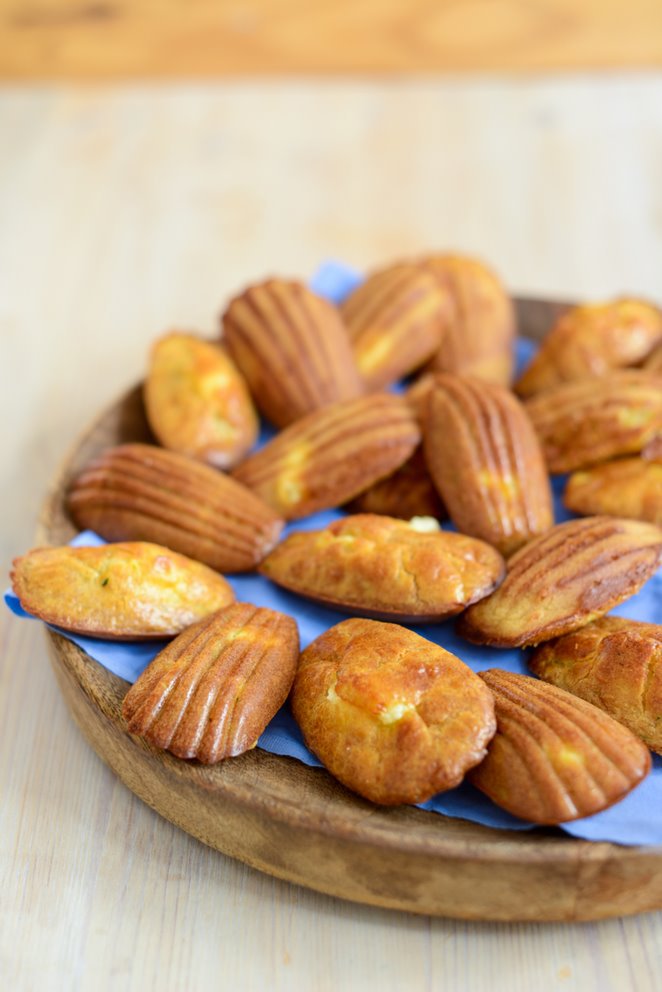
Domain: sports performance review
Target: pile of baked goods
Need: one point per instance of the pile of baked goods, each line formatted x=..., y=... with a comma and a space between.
x=392, y=715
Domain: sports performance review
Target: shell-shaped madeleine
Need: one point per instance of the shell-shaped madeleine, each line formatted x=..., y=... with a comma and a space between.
x=197, y=402
x=614, y=663
x=628, y=487
x=408, y=492
x=130, y=591
x=554, y=757
x=293, y=349
x=480, y=336
x=138, y=492
x=330, y=456
x=212, y=691
x=391, y=715
x=396, y=320
x=592, y=340
x=486, y=462
x=593, y=420
x=381, y=567
x=562, y=580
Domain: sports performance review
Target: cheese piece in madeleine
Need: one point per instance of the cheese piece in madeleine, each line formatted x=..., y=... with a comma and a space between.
x=130, y=591
x=564, y=579
x=212, y=691
x=628, y=487
x=391, y=715
x=378, y=566
x=554, y=757
x=197, y=402
x=614, y=663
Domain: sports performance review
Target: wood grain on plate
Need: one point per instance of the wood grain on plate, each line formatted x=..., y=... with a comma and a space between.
x=297, y=823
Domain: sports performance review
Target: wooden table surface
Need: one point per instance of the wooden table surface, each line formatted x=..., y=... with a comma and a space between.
x=126, y=211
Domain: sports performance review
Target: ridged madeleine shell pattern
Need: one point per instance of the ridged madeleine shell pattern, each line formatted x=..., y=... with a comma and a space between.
x=560, y=581
x=554, y=757
x=486, y=462
x=593, y=420
x=141, y=492
x=213, y=690
x=330, y=456
x=396, y=320
x=292, y=348
x=628, y=487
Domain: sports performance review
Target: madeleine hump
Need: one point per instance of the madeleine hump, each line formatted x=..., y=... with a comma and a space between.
x=377, y=566
x=126, y=592
x=197, y=402
x=590, y=421
x=486, y=462
x=391, y=715
x=554, y=757
x=141, y=492
x=592, y=340
x=564, y=579
x=293, y=349
x=396, y=320
x=331, y=455
x=627, y=487
x=211, y=692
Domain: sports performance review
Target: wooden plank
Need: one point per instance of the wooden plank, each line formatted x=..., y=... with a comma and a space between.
x=110, y=39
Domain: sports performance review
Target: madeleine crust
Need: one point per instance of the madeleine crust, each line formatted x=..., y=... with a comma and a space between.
x=129, y=591
x=408, y=492
x=212, y=691
x=554, y=757
x=293, y=349
x=382, y=567
x=629, y=487
x=197, y=402
x=564, y=579
x=654, y=361
x=391, y=715
x=615, y=664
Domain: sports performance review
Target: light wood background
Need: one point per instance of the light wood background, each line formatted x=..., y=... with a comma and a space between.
x=109, y=39
x=125, y=211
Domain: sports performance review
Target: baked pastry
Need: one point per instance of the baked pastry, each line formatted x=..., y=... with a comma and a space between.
x=592, y=340
x=564, y=579
x=212, y=691
x=328, y=457
x=628, y=487
x=555, y=757
x=654, y=361
x=408, y=492
x=592, y=420
x=391, y=715
x=486, y=462
x=141, y=492
x=197, y=402
x=293, y=349
x=616, y=664
x=480, y=336
x=126, y=592
x=378, y=566
x=396, y=320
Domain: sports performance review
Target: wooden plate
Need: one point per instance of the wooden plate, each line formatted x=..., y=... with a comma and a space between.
x=299, y=824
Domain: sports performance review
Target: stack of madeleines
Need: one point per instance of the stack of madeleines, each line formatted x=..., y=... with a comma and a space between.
x=393, y=716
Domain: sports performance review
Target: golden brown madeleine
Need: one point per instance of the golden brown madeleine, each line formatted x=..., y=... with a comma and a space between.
x=408, y=492
x=629, y=487
x=212, y=691
x=554, y=757
x=616, y=664
x=480, y=337
x=593, y=420
x=330, y=456
x=562, y=580
x=486, y=462
x=391, y=715
x=138, y=492
x=396, y=320
x=197, y=402
x=293, y=349
x=592, y=340
x=381, y=567
x=654, y=361
x=127, y=592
